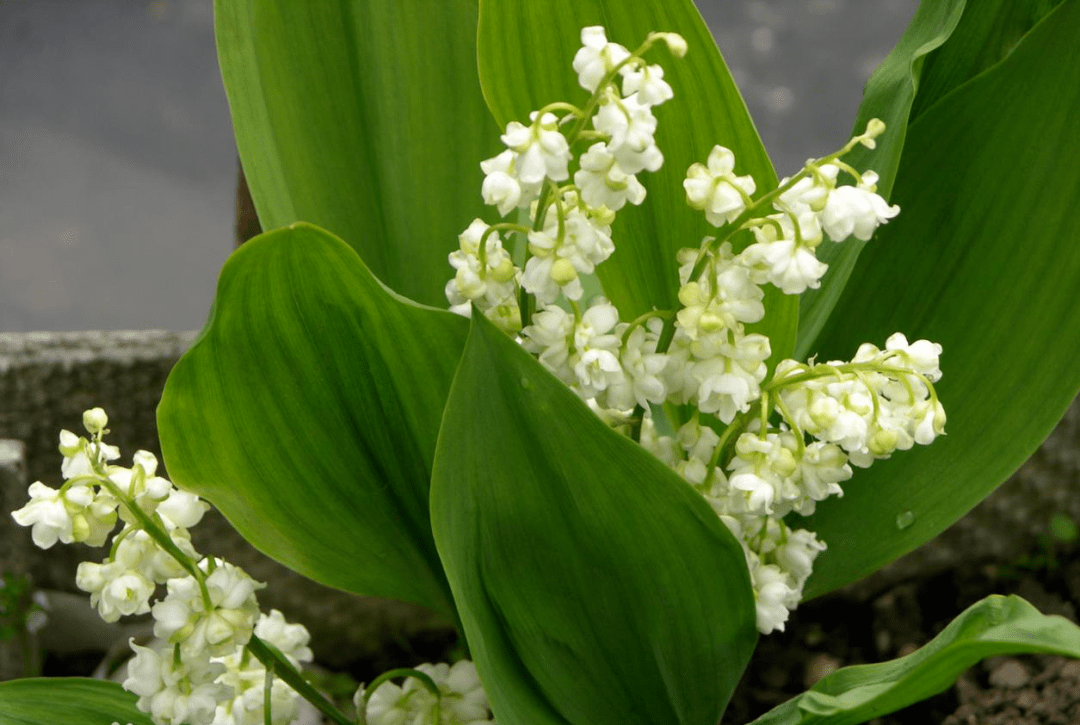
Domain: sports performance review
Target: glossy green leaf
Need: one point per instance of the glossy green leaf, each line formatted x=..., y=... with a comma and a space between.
x=987, y=32
x=364, y=118
x=308, y=411
x=67, y=701
x=948, y=43
x=985, y=259
x=889, y=95
x=996, y=625
x=526, y=50
x=594, y=585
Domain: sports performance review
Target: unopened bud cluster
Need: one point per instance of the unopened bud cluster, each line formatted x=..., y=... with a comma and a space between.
x=197, y=670
x=758, y=446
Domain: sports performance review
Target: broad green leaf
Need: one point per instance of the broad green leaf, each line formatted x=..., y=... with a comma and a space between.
x=67, y=701
x=526, y=50
x=889, y=95
x=308, y=411
x=947, y=44
x=996, y=625
x=983, y=258
x=364, y=118
x=988, y=31
x=594, y=585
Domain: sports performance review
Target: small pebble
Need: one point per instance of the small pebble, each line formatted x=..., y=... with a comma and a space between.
x=907, y=649
x=820, y=666
x=1009, y=673
x=1071, y=670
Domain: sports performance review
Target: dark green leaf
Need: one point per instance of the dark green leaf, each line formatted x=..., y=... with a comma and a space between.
x=526, y=51
x=365, y=118
x=996, y=625
x=984, y=258
x=594, y=585
x=889, y=95
x=308, y=410
x=67, y=701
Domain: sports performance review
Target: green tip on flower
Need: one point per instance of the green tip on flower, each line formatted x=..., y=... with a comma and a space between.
x=675, y=43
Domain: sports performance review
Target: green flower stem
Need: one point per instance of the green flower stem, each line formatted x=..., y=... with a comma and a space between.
x=268, y=685
x=641, y=320
x=782, y=407
x=481, y=252
x=150, y=526
x=737, y=425
x=823, y=370
x=276, y=663
x=402, y=672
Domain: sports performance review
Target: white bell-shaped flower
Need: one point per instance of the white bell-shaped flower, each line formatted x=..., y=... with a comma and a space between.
x=603, y=182
x=597, y=57
x=716, y=190
x=647, y=81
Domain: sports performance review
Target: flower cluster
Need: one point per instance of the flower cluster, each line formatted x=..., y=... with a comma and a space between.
x=197, y=670
x=439, y=694
x=569, y=229
x=758, y=448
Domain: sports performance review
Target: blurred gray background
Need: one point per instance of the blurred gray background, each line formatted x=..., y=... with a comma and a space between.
x=118, y=169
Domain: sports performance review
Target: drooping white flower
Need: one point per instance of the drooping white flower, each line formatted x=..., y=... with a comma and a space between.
x=921, y=356
x=855, y=210
x=647, y=81
x=596, y=349
x=716, y=190
x=290, y=639
x=115, y=589
x=182, y=617
x=540, y=149
x=642, y=367
x=762, y=469
x=491, y=285
x=630, y=124
x=603, y=182
x=77, y=513
x=729, y=381
x=502, y=188
x=784, y=259
x=774, y=595
x=573, y=241
x=549, y=337
x=48, y=516
x=597, y=57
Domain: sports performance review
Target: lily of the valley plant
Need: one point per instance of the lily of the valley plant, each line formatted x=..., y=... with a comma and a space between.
x=648, y=431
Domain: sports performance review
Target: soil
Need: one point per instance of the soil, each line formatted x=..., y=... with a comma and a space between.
x=839, y=630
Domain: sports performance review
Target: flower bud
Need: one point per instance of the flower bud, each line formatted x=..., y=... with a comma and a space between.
x=563, y=272
x=675, y=43
x=95, y=420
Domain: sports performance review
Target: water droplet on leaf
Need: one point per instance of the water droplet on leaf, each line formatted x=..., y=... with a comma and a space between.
x=526, y=383
x=904, y=519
